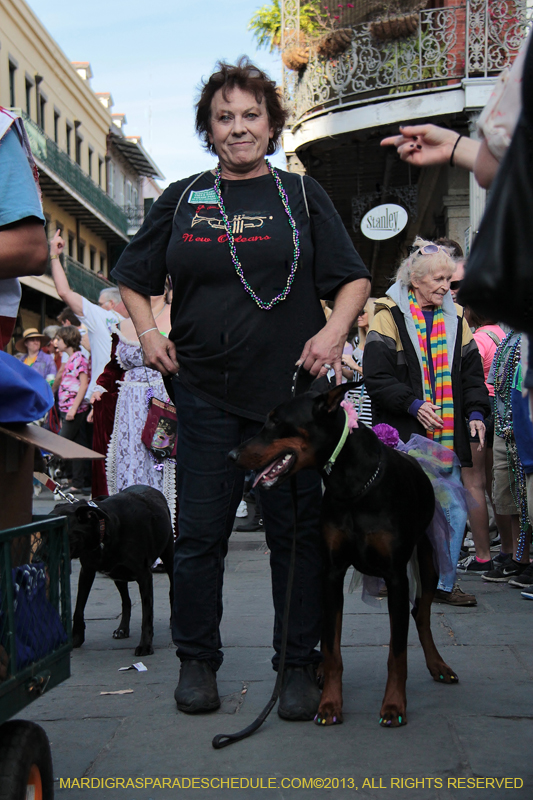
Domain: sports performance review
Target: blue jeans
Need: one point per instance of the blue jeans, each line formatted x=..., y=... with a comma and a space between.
x=209, y=489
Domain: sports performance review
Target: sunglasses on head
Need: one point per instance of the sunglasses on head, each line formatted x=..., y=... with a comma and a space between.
x=428, y=249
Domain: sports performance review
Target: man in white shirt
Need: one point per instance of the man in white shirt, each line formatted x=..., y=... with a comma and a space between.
x=97, y=318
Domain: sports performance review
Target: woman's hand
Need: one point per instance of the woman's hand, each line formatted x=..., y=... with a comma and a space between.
x=159, y=353
x=423, y=145
x=71, y=414
x=90, y=415
x=95, y=398
x=428, y=418
x=323, y=352
x=478, y=426
x=348, y=361
x=426, y=145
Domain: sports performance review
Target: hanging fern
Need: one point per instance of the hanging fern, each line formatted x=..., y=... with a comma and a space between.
x=266, y=23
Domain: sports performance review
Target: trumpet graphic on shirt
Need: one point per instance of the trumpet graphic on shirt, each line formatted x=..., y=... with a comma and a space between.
x=238, y=223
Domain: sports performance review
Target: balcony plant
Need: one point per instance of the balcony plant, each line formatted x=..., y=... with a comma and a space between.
x=266, y=27
x=409, y=60
x=316, y=25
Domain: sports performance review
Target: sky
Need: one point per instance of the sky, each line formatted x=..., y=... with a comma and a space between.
x=151, y=55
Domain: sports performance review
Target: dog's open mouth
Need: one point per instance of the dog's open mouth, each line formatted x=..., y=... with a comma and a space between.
x=275, y=470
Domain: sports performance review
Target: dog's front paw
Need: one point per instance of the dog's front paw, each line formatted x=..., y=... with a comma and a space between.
x=329, y=714
x=144, y=650
x=392, y=717
x=442, y=673
x=121, y=633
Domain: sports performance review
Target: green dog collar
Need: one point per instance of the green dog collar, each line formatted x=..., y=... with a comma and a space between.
x=342, y=441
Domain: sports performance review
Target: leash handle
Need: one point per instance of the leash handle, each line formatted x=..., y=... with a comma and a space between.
x=224, y=739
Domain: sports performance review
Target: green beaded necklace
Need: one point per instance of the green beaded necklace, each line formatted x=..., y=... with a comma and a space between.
x=264, y=305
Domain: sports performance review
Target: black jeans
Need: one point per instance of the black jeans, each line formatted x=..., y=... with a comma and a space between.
x=209, y=489
x=76, y=431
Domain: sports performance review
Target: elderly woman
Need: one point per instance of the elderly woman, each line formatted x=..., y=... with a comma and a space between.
x=423, y=371
x=251, y=250
x=29, y=348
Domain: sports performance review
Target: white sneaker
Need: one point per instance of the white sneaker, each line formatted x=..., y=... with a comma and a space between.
x=242, y=511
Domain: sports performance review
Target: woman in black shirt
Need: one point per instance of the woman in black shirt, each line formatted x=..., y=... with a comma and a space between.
x=250, y=250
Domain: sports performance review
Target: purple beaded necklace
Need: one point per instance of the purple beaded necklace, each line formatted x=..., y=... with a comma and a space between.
x=266, y=306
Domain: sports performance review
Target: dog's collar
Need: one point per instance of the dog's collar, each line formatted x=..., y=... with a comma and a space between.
x=328, y=466
x=342, y=441
x=369, y=482
x=101, y=521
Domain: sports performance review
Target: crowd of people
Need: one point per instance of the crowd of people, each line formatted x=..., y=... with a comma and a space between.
x=183, y=361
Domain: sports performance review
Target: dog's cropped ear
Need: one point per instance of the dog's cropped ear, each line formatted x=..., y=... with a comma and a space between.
x=330, y=401
x=86, y=512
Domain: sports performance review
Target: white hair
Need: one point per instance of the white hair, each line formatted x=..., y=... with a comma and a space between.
x=419, y=264
x=112, y=294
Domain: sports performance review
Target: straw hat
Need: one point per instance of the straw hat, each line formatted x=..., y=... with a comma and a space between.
x=30, y=333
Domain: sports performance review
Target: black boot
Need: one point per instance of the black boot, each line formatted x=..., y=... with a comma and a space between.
x=256, y=523
x=300, y=695
x=197, y=687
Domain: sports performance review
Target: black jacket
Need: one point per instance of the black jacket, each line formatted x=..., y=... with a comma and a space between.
x=393, y=377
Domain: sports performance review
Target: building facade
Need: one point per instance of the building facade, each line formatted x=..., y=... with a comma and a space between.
x=374, y=69
x=91, y=174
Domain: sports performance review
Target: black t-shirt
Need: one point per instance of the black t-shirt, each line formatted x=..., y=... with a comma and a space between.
x=232, y=353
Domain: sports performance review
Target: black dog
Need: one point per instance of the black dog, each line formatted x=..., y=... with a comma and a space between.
x=377, y=506
x=120, y=536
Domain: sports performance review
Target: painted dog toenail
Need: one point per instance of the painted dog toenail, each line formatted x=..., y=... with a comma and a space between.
x=334, y=719
x=389, y=722
x=323, y=722
x=380, y=720
x=316, y=717
x=441, y=677
x=400, y=720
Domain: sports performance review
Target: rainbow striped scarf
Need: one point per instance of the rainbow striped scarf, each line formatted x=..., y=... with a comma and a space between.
x=441, y=370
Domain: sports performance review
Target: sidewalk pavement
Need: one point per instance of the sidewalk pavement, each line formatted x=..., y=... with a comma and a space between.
x=481, y=728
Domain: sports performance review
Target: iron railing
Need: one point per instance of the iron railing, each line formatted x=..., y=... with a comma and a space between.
x=135, y=215
x=47, y=151
x=84, y=281
x=478, y=38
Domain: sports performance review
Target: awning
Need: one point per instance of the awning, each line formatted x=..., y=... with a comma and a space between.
x=134, y=152
x=41, y=283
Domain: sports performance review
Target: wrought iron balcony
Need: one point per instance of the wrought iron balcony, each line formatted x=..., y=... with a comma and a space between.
x=51, y=156
x=478, y=38
x=135, y=216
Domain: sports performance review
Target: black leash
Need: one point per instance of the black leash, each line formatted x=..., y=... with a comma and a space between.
x=224, y=739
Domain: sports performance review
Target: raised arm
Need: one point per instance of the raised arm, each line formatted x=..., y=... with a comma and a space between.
x=72, y=299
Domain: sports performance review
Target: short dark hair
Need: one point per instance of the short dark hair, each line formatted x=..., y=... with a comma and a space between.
x=247, y=77
x=456, y=251
x=476, y=320
x=70, y=335
x=68, y=315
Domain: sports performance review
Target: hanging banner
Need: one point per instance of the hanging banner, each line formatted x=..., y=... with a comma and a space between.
x=384, y=222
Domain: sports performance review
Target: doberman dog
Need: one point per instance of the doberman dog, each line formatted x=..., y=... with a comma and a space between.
x=377, y=505
x=120, y=536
